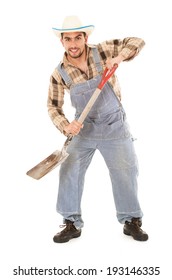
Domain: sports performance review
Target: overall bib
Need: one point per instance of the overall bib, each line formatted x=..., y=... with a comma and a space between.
x=105, y=129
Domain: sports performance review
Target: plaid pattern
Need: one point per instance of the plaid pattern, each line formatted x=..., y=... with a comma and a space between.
x=107, y=49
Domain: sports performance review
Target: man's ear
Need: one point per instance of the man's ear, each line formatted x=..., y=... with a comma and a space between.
x=86, y=38
x=61, y=40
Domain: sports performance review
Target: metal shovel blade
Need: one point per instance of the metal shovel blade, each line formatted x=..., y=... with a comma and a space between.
x=48, y=164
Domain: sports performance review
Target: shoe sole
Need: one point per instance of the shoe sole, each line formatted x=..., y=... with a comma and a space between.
x=67, y=239
x=135, y=238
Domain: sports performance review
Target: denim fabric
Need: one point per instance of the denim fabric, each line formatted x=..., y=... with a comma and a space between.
x=105, y=129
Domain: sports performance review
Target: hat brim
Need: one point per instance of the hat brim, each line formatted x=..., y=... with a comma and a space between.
x=88, y=29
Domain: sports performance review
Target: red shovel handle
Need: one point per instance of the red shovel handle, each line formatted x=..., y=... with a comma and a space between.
x=106, y=75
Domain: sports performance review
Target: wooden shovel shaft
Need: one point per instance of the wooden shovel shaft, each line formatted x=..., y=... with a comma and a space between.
x=105, y=77
x=89, y=105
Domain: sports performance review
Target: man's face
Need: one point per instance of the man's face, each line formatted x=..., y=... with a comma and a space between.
x=74, y=43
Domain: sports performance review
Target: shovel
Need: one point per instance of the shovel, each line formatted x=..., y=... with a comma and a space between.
x=57, y=157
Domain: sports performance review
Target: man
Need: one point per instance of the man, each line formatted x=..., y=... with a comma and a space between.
x=104, y=128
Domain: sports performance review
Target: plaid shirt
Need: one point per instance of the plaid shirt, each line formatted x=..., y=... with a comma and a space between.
x=107, y=49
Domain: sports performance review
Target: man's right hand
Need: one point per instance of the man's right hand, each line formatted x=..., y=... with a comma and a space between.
x=73, y=128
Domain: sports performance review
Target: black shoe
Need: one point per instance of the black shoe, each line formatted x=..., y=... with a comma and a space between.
x=133, y=228
x=67, y=233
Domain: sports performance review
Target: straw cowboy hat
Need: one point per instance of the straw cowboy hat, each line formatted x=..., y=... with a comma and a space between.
x=73, y=24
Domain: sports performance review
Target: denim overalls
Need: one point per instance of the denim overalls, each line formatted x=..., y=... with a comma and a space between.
x=106, y=130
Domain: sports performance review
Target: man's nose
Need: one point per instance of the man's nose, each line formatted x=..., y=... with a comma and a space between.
x=73, y=43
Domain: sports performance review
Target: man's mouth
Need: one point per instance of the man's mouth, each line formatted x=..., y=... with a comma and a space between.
x=73, y=51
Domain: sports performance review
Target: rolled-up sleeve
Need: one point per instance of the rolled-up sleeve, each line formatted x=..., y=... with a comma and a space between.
x=129, y=45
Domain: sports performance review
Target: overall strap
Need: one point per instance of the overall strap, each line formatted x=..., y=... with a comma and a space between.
x=97, y=60
x=64, y=75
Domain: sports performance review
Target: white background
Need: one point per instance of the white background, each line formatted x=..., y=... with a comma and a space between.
x=29, y=52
